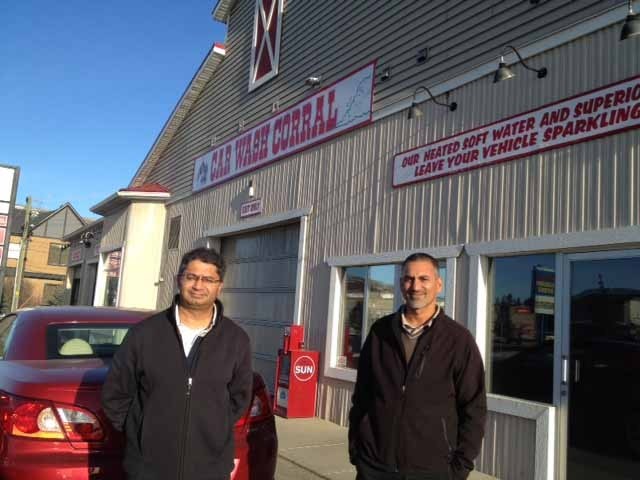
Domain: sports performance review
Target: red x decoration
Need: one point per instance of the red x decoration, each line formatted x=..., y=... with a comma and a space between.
x=265, y=52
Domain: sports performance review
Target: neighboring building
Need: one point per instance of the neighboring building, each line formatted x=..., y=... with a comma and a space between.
x=83, y=259
x=296, y=156
x=46, y=258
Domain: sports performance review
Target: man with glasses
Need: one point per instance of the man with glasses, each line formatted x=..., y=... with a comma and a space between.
x=180, y=381
x=419, y=404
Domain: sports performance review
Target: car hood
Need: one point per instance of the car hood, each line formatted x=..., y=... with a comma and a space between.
x=61, y=380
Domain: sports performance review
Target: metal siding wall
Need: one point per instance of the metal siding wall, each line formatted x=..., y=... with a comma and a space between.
x=331, y=38
x=508, y=447
x=113, y=230
x=347, y=182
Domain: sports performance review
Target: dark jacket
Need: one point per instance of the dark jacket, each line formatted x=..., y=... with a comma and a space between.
x=424, y=417
x=178, y=415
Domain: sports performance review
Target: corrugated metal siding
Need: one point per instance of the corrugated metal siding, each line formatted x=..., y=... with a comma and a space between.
x=259, y=289
x=347, y=181
x=114, y=230
x=508, y=447
x=331, y=38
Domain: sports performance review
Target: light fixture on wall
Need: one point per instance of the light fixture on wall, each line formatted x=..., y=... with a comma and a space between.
x=422, y=55
x=275, y=106
x=313, y=81
x=631, y=27
x=85, y=239
x=415, y=111
x=505, y=73
x=213, y=140
x=251, y=189
x=385, y=74
x=241, y=125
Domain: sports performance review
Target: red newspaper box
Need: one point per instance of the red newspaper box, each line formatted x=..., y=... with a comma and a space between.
x=296, y=377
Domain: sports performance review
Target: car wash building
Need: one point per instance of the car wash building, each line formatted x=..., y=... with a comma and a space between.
x=328, y=140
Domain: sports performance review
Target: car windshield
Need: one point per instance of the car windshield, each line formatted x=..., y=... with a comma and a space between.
x=84, y=341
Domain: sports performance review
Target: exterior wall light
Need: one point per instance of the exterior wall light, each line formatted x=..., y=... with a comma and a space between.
x=505, y=73
x=631, y=27
x=251, y=189
x=386, y=74
x=414, y=111
x=422, y=55
x=313, y=81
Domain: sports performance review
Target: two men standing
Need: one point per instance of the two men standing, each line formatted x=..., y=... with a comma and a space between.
x=419, y=404
x=183, y=377
x=180, y=381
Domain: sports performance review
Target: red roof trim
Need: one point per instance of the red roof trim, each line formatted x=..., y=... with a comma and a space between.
x=147, y=187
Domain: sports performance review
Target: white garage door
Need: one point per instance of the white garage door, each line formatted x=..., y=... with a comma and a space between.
x=259, y=289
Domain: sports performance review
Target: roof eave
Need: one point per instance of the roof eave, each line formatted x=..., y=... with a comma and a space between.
x=122, y=199
x=222, y=9
x=207, y=68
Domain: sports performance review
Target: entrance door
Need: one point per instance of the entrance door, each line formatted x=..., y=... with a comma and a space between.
x=601, y=379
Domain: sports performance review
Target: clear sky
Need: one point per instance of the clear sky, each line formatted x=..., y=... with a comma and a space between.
x=86, y=86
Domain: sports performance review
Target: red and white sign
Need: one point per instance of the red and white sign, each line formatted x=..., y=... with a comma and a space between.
x=254, y=207
x=341, y=107
x=591, y=115
x=75, y=255
x=303, y=368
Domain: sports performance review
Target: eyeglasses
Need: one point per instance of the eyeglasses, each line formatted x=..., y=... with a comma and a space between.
x=193, y=278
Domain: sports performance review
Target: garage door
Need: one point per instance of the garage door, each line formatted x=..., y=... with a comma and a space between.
x=259, y=289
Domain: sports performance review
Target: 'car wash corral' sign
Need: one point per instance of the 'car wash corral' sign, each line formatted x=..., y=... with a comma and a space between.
x=334, y=110
x=598, y=113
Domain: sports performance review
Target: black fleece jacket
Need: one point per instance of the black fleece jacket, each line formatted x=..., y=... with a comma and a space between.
x=178, y=416
x=425, y=417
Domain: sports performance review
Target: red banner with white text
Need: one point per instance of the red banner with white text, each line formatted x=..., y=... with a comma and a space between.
x=598, y=113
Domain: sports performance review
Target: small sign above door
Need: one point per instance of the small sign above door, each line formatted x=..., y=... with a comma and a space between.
x=248, y=209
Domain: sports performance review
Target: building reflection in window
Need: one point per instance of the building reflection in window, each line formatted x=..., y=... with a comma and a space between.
x=112, y=269
x=520, y=363
x=369, y=293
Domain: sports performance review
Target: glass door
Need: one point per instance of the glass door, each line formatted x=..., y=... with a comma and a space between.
x=600, y=379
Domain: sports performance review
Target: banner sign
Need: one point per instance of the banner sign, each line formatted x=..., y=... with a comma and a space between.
x=598, y=113
x=334, y=110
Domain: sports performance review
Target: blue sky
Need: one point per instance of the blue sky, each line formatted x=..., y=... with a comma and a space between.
x=86, y=86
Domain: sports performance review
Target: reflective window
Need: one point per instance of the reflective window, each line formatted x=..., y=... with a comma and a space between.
x=95, y=340
x=604, y=368
x=112, y=270
x=522, y=327
x=369, y=293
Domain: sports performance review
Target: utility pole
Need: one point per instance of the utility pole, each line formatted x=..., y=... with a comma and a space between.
x=26, y=233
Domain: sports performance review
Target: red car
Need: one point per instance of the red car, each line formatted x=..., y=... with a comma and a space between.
x=54, y=362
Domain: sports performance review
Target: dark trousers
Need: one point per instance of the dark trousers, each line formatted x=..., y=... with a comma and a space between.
x=367, y=472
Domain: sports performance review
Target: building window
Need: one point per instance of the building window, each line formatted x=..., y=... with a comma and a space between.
x=265, y=49
x=369, y=292
x=112, y=270
x=174, y=232
x=521, y=336
x=58, y=254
